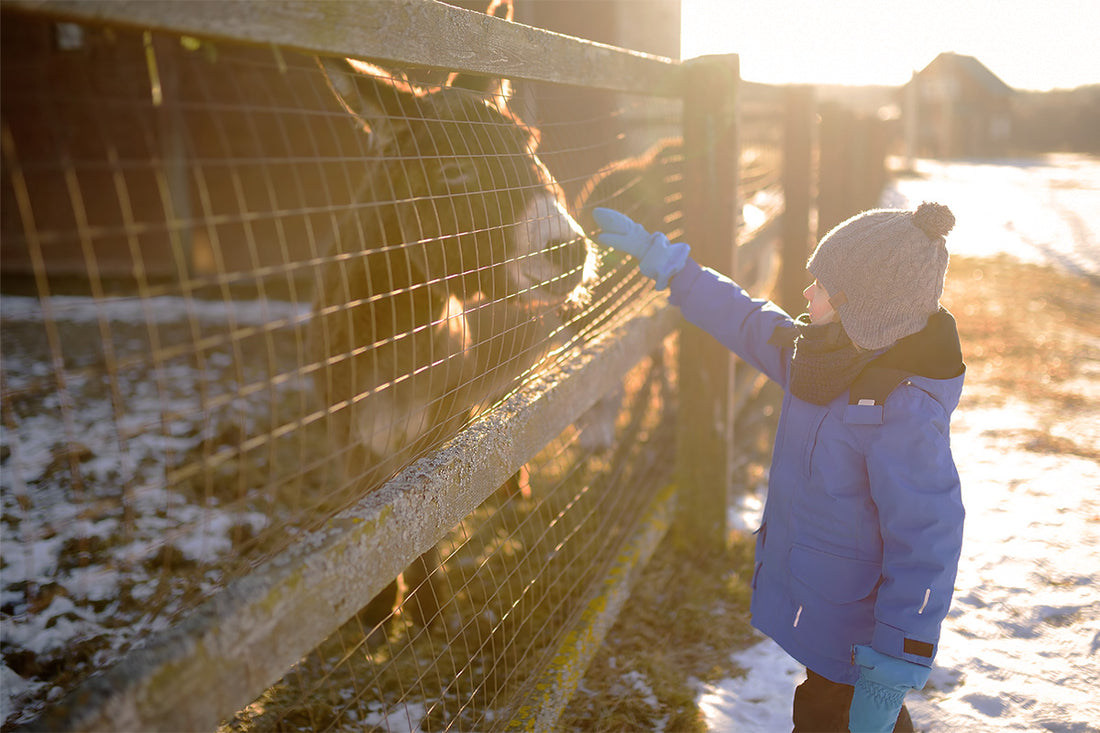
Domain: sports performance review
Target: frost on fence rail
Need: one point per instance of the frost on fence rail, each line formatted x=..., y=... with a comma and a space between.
x=240, y=291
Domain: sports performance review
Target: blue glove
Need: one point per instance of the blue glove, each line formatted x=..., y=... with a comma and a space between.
x=880, y=690
x=657, y=259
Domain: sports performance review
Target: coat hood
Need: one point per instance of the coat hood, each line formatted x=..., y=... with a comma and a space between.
x=930, y=358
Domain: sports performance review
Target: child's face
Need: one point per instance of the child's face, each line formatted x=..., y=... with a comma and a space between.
x=819, y=308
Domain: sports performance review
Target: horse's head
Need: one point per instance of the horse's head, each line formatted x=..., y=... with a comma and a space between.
x=465, y=195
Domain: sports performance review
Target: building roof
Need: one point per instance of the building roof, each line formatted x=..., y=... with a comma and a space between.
x=958, y=64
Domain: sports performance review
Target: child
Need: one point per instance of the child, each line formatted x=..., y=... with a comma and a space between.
x=859, y=544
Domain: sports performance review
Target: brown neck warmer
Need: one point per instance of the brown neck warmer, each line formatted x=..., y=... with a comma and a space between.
x=825, y=361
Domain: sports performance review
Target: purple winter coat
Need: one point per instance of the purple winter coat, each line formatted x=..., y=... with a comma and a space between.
x=862, y=527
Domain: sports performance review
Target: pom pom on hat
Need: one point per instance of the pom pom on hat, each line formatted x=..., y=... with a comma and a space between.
x=935, y=220
x=884, y=270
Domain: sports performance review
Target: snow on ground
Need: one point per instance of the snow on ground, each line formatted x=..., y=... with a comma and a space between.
x=1020, y=645
x=1020, y=649
x=82, y=569
x=1043, y=210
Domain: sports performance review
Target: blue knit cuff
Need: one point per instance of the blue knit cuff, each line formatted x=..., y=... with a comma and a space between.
x=887, y=698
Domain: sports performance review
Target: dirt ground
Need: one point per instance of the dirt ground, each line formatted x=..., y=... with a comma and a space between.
x=1028, y=333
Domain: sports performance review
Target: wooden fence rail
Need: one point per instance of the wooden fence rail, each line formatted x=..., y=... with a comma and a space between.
x=390, y=31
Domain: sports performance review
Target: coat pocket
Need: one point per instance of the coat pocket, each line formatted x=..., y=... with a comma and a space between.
x=835, y=578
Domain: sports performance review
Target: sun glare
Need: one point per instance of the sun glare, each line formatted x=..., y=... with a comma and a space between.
x=1031, y=45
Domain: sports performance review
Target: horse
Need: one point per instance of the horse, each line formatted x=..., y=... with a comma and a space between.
x=456, y=273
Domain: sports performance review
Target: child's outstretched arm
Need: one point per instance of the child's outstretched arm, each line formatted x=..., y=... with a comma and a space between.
x=707, y=299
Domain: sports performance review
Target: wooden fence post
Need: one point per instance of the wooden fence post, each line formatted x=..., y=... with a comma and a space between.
x=705, y=454
x=853, y=165
x=877, y=145
x=834, y=188
x=798, y=127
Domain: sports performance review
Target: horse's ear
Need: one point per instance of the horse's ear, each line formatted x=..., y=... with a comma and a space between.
x=499, y=89
x=501, y=9
x=371, y=94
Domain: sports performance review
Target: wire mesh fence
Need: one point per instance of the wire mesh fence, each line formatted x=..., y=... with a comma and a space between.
x=508, y=584
x=241, y=290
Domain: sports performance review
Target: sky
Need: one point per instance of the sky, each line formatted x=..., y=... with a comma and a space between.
x=1030, y=44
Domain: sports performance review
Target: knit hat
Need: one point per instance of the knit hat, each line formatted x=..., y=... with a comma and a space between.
x=884, y=271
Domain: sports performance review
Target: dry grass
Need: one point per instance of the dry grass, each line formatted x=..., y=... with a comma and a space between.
x=687, y=613
x=1026, y=329
x=1028, y=332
